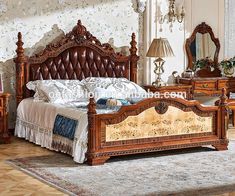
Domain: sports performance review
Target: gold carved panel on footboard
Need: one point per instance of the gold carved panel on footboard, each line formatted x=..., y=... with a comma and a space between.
x=159, y=122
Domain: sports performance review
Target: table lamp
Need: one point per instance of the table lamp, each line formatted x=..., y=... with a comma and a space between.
x=159, y=48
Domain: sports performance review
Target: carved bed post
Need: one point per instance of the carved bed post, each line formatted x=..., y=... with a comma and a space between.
x=94, y=138
x=20, y=65
x=222, y=103
x=91, y=130
x=133, y=59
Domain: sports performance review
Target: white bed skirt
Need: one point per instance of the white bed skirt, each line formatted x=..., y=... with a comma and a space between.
x=46, y=139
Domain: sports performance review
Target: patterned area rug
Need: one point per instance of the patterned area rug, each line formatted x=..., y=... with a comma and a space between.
x=199, y=171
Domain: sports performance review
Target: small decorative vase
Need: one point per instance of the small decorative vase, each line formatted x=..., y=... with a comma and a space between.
x=188, y=74
x=229, y=71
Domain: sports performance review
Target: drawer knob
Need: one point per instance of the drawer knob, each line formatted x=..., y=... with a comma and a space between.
x=205, y=85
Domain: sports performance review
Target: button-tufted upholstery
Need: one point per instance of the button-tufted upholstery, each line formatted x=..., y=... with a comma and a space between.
x=78, y=63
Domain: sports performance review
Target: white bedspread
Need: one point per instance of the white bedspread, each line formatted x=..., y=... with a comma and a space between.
x=35, y=121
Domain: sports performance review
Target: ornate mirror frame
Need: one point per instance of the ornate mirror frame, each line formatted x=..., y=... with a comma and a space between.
x=203, y=28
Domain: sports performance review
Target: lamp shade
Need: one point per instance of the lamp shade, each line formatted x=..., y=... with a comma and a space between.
x=160, y=48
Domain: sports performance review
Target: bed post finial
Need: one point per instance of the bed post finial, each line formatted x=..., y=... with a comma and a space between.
x=20, y=63
x=79, y=22
x=92, y=106
x=133, y=59
x=20, y=49
x=223, y=97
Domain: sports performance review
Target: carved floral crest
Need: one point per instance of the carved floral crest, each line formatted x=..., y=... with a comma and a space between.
x=161, y=108
x=78, y=35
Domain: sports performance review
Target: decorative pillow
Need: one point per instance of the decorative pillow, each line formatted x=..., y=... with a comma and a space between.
x=112, y=102
x=118, y=88
x=58, y=91
x=99, y=93
x=79, y=92
x=39, y=95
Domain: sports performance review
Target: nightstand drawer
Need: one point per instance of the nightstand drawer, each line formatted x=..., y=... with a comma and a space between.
x=232, y=84
x=2, y=119
x=4, y=104
x=205, y=85
x=223, y=84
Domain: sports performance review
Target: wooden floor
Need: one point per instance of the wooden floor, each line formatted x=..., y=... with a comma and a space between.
x=15, y=182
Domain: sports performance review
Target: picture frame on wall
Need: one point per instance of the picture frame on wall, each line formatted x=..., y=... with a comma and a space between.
x=1, y=83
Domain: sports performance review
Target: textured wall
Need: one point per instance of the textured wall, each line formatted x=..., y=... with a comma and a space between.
x=41, y=21
x=229, y=28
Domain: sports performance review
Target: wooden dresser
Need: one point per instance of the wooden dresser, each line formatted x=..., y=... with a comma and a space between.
x=209, y=86
x=4, y=105
x=171, y=88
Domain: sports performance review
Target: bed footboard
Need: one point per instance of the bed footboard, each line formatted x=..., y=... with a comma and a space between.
x=155, y=125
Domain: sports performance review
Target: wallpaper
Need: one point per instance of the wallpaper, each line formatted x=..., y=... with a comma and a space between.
x=42, y=21
x=229, y=28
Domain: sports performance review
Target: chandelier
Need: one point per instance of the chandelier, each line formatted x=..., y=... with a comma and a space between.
x=172, y=16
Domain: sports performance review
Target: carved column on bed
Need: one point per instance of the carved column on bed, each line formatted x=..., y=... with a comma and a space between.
x=93, y=137
x=133, y=59
x=223, y=104
x=20, y=64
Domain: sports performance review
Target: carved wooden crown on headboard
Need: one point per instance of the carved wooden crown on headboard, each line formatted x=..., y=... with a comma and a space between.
x=76, y=55
x=80, y=35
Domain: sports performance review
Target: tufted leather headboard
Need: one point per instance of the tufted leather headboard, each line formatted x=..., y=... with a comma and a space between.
x=77, y=55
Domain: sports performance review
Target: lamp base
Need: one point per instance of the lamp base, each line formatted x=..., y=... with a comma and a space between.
x=159, y=83
x=159, y=71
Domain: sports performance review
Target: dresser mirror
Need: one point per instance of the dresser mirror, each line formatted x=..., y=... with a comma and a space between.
x=202, y=47
x=202, y=50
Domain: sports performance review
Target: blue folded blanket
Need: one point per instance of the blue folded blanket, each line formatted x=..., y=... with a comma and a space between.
x=65, y=126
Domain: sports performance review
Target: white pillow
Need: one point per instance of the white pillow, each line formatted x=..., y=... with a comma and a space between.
x=107, y=93
x=55, y=93
x=118, y=88
x=58, y=91
x=39, y=95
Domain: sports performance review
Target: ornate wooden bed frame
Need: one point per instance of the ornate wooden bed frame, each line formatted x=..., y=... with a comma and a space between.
x=79, y=55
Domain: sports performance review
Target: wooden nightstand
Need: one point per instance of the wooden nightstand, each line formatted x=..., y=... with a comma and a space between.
x=4, y=107
x=171, y=88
